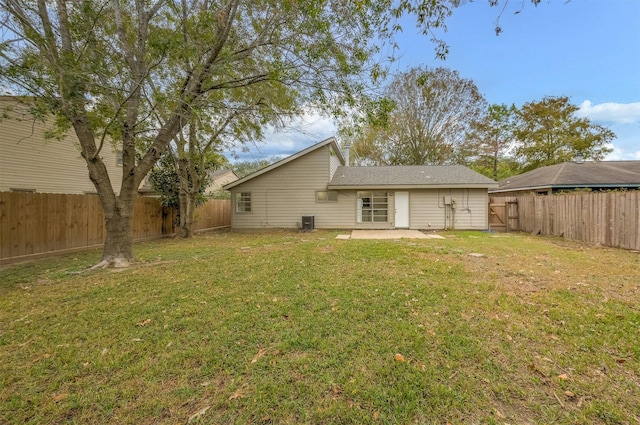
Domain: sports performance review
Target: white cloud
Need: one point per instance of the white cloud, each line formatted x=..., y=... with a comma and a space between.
x=619, y=154
x=622, y=113
x=298, y=134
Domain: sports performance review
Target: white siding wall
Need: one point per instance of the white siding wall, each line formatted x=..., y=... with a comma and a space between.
x=427, y=211
x=29, y=161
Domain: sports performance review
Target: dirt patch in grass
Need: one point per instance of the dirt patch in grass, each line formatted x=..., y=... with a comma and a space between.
x=562, y=265
x=325, y=249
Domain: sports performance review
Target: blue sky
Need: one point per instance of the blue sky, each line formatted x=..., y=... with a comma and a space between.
x=588, y=50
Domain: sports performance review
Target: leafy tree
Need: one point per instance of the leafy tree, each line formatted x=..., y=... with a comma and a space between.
x=244, y=168
x=133, y=72
x=548, y=132
x=197, y=144
x=492, y=140
x=424, y=120
x=506, y=167
x=220, y=194
x=165, y=180
x=182, y=180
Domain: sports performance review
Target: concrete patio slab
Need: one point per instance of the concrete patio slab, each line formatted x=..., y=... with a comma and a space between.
x=392, y=234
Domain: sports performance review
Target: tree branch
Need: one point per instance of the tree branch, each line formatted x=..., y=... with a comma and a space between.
x=65, y=32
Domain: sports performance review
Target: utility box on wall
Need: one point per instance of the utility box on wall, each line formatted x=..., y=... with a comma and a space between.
x=308, y=223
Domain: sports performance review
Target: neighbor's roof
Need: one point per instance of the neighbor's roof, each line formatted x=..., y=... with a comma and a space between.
x=222, y=172
x=570, y=175
x=329, y=141
x=409, y=176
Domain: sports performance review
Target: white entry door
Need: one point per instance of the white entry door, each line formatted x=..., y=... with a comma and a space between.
x=402, y=210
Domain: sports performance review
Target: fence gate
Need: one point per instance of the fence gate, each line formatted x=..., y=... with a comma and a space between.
x=503, y=214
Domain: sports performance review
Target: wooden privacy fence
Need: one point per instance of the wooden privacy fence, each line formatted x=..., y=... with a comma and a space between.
x=32, y=224
x=502, y=213
x=605, y=218
x=215, y=213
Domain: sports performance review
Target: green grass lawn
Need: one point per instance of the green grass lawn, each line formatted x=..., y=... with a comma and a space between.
x=293, y=328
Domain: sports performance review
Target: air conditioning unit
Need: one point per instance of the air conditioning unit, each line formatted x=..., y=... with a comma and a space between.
x=308, y=223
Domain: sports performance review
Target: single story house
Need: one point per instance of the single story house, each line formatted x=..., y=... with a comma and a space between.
x=593, y=175
x=317, y=188
x=218, y=179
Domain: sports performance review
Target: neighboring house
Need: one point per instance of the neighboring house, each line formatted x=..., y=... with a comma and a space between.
x=30, y=162
x=219, y=178
x=597, y=176
x=145, y=188
x=317, y=182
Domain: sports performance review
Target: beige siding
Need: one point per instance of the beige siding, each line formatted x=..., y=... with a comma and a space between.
x=221, y=181
x=30, y=161
x=285, y=207
x=334, y=163
x=427, y=209
x=280, y=197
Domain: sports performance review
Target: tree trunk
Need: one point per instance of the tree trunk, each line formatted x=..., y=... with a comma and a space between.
x=118, y=209
x=187, y=212
x=187, y=198
x=183, y=194
x=118, y=245
x=191, y=215
x=184, y=226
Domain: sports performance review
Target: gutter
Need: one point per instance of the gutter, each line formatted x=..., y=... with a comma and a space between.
x=521, y=188
x=408, y=186
x=571, y=186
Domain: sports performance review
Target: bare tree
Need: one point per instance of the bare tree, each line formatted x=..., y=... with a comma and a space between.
x=428, y=115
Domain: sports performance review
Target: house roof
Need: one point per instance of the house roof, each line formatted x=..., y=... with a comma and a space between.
x=329, y=141
x=409, y=176
x=219, y=173
x=569, y=175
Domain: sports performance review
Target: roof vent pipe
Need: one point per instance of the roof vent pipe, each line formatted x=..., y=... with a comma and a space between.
x=345, y=153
